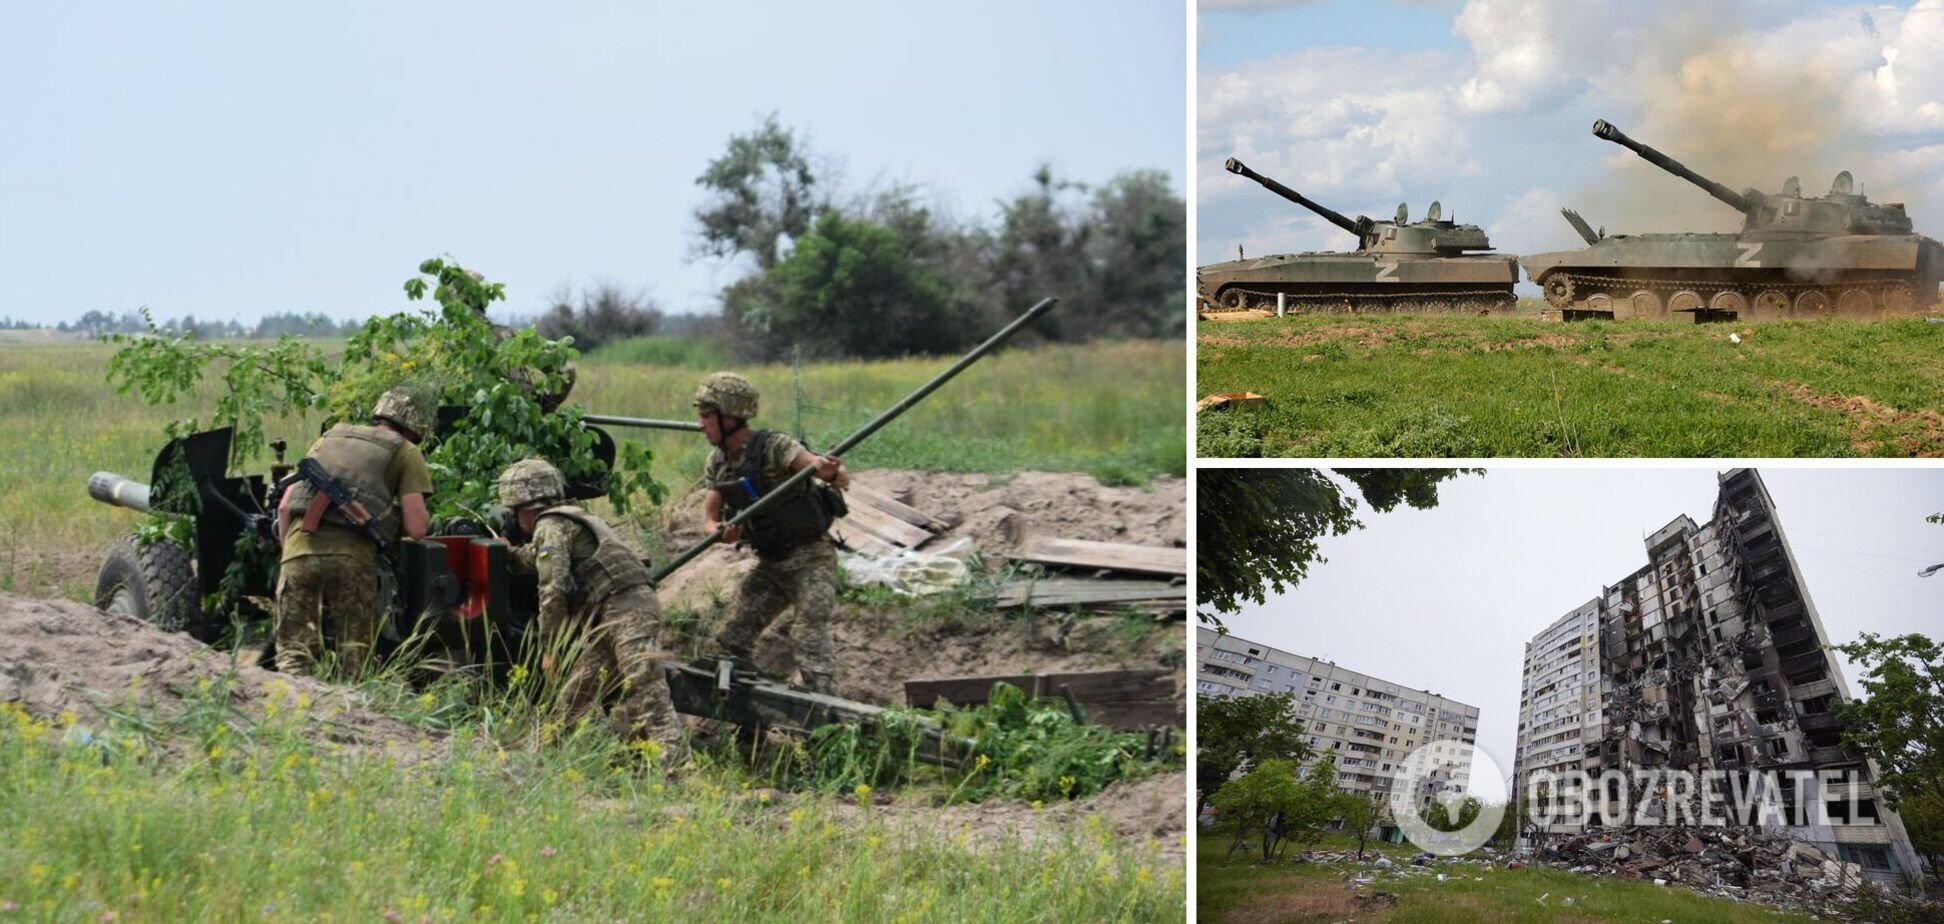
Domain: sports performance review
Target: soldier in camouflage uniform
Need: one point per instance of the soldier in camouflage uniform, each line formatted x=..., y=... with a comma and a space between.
x=796, y=565
x=598, y=611
x=330, y=565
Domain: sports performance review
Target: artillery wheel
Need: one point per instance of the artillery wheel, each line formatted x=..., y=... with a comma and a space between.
x=1233, y=298
x=1730, y=301
x=1685, y=302
x=1645, y=304
x=1559, y=290
x=1770, y=306
x=155, y=583
x=1856, y=303
x=1812, y=304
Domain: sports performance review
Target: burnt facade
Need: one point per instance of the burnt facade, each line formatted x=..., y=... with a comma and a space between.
x=1710, y=658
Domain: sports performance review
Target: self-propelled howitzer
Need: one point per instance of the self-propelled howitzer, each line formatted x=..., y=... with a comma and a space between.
x=1795, y=257
x=1431, y=266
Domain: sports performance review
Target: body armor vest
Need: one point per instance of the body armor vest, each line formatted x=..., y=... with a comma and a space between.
x=358, y=457
x=802, y=517
x=611, y=569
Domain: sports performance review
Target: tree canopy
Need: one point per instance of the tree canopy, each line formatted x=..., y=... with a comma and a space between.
x=1235, y=734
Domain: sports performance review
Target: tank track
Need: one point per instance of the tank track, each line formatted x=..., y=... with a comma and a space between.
x=1483, y=302
x=1572, y=295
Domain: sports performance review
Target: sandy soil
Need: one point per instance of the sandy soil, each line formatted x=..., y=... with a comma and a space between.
x=57, y=656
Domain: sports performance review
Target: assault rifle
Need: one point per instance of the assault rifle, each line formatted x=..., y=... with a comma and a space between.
x=333, y=493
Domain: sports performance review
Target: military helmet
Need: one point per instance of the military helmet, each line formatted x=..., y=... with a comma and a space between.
x=409, y=409
x=531, y=481
x=727, y=392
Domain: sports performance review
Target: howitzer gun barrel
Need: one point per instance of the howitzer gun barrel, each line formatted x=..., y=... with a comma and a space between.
x=114, y=490
x=1606, y=131
x=1331, y=215
x=782, y=490
x=609, y=420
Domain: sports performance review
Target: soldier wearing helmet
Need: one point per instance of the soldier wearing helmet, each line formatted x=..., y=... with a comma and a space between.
x=331, y=566
x=598, y=612
x=796, y=566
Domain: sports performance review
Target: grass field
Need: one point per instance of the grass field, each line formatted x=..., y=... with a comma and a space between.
x=1520, y=386
x=257, y=816
x=1113, y=409
x=1244, y=889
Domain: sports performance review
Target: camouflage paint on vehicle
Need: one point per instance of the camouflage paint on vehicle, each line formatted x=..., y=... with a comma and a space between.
x=1795, y=257
x=1430, y=266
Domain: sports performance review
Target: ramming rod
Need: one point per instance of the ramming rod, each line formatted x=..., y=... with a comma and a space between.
x=1032, y=314
x=609, y=420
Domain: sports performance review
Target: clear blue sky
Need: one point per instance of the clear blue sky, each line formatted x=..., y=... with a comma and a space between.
x=1445, y=599
x=229, y=159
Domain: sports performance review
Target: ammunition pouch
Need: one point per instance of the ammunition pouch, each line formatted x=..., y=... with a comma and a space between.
x=788, y=522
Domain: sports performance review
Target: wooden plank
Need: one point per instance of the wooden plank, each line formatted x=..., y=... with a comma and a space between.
x=861, y=542
x=1110, y=556
x=1088, y=687
x=890, y=529
x=1076, y=591
x=1138, y=715
x=897, y=508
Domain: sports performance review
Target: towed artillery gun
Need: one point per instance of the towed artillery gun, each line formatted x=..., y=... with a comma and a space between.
x=1796, y=257
x=1429, y=266
x=453, y=592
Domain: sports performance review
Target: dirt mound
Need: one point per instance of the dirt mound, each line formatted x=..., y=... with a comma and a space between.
x=57, y=656
x=995, y=511
x=878, y=650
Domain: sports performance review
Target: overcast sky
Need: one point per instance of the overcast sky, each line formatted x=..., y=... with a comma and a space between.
x=1445, y=599
x=1487, y=105
x=229, y=158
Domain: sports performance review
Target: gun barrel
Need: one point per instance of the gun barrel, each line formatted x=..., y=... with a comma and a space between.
x=782, y=490
x=1606, y=131
x=1331, y=215
x=609, y=420
x=114, y=490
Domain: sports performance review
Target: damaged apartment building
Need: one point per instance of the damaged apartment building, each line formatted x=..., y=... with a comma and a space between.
x=1371, y=725
x=1710, y=658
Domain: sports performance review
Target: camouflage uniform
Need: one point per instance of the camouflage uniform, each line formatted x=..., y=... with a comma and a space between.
x=598, y=611
x=334, y=570
x=799, y=573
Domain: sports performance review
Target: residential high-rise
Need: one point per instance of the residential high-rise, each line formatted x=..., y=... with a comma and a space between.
x=1710, y=658
x=1370, y=725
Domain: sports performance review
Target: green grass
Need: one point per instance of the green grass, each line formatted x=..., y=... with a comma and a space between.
x=1244, y=889
x=1454, y=387
x=254, y=817
x=1110, y=408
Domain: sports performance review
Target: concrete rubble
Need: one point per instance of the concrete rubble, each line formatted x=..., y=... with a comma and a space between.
x=1737, y=863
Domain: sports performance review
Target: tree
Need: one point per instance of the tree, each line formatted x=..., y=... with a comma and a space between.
x=605, y=313
x=1258, y=528
x=1900, y=722
x=763, y=191
x=1438, y=814
x=1360, y=812
x=1236, y=734
x=851, y=288
x=1273, y=802
x=1137, y=242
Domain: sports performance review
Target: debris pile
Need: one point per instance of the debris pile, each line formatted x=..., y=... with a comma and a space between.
x=1735, y=863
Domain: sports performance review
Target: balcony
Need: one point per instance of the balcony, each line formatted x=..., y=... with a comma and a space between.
x=1829, y=756
x=1768, y=568
x=1804, y=662
x=1819, y=721
x=1786, y=609
x=1843, y=791
x=1802, y=691
x=1804, y=633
